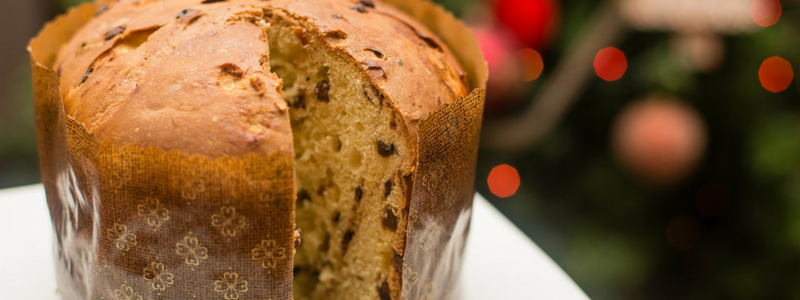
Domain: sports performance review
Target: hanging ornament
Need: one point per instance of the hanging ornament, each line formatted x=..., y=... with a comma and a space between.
x=532, y=22
x=659, y=139
x=766, y=13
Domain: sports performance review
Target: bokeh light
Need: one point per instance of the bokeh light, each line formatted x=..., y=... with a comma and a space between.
x=700, y=51
x=659, y=139
x=775, y=74
x=713, y=199
x=503, y=181
x=532, y=22
x=689, y=16
x=532, y=64
x=766, y=13
x=610, y=64
x=500, y=52
x=683, y=232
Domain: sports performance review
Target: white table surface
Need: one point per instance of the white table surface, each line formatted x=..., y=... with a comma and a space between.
x=501, y=262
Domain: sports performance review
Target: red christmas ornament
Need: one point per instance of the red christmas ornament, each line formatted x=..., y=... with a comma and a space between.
x=532, y=22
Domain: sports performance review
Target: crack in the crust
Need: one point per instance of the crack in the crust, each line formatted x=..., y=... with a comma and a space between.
x=189, y=16
x=428, y=40
x=374, y=70
x=100, y=10
x=232, y=70
x=124, y=45
x=131, y=41
x=377, y=53
x=114, y=32
x=86, y=75
x=183, y=13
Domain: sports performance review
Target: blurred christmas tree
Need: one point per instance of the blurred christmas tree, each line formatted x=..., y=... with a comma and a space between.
x=666, y=167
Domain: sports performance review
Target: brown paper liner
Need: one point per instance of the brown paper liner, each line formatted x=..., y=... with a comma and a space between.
x=441, y=200
x=142, y=223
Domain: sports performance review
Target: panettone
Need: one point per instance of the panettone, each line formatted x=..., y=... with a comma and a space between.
x=339, y=85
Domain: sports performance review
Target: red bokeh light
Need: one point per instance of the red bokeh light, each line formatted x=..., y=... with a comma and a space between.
x=503, y=181
x=775, y=74
x=610, y=64
x=496, y=47
x=500, y=52
x=766, y=13
x=532, y=22
x=532, y=64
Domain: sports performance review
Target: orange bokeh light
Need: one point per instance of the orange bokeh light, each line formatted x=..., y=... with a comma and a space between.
x=775, y=74
x=766, y=13
x=610, y=64
x=532, y=64
x=503, y=181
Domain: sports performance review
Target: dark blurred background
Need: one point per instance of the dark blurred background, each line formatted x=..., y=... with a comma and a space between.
x=664, y=167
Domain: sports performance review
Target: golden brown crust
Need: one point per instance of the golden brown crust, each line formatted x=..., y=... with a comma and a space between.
x=412, y=68
x=197, y=85
x=169, y=93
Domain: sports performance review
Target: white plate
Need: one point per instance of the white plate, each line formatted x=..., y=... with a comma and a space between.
x=500, y=261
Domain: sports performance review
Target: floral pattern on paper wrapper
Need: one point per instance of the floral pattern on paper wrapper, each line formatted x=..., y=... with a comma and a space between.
x=158, y=277
x=430, y=236
x=410, y=278
x=121, y=237
x=125, y=292
x=154, y=213
x=191, y=250
x=268, y=253
x=228, y=221
x=230, y=286
x=193, y=188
